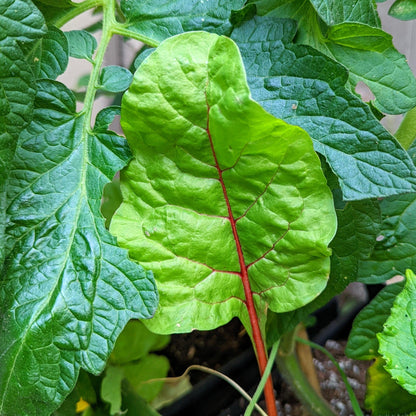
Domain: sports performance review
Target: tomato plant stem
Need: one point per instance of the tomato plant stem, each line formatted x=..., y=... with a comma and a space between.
x=254, y=321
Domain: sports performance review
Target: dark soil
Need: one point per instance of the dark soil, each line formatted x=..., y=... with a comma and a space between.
x=216, y=348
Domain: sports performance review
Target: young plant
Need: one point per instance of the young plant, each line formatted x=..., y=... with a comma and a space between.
x=224, y=199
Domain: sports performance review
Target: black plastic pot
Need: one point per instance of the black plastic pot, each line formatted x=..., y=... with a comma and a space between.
x=214, y=397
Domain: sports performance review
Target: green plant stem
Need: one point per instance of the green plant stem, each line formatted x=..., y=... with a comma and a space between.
x=290, y=369
x=252, y=405
x=406, y=133
x=120, y=29
x=77, y=10
x=355, y=405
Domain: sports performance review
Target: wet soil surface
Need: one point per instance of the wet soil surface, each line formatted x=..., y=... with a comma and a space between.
x=216, y=348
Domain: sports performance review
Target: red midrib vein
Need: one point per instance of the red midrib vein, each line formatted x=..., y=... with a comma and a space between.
x=249, y=302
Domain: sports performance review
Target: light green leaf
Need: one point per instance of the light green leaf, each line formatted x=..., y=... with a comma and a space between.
x=207, y=158
x=135, y=342
x=362, y=341
x=384, y=396
x=356, y=233
x=150, y=367
x=159, y=20
x=115, y=78
x=49, y=55
x=403, y=9
x=81, y=44
x=377, y=64
x=306, y=88
x=111, y=388
x=397, y=341
x=67, y=289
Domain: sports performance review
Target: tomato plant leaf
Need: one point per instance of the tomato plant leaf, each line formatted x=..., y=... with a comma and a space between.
x=67, y=290
x=115, y=78
x=305, y=88
x=49, y=55
x=159, y=20
x=19, y=21
x=403, y=10
x=206, y=157
x=362, y=341
x=397, y=341
x=82, y=44
x=380, y=66
x=384, y=396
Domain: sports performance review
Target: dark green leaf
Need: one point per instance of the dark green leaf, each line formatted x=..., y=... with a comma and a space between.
x=345, y=37
x=362, y=341
x=159, y=20
x=67, y=289
x=395, y=250
x=384, y=396
x=49, y=55
x=82, y=44
x=53, y=14
x=306, y=88
x=175, y=217
x=143, y=54
x=403, y=9
x=397, y=341
x=115, y=78
x=20, y=21
x=58, y=3
x=105, y=117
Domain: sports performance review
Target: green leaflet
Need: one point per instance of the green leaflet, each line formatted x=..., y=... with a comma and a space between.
x=49, y=55
x=384, y=396
x=305, y=88
x=403, y=9
x=115, y=78
x=397, y=341
x=67, y=290
x=81, y=44
x=384, y=70
x=20, y=21
x=199, y=140
x=362, y=341
x=159, y=20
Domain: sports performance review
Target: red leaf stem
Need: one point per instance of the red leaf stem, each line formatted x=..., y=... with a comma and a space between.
x=254, y=322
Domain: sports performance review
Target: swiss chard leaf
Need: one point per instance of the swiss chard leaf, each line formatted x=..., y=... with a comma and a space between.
x=67, y=289
x=159, y=20
x=218, y=188
x=397, y=341
x=383, y=69
x=306, y=88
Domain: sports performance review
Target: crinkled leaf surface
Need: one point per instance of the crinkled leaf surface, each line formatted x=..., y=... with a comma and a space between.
x=356, y=233
x=403, y=9
x=384, y=396
x=383, y=69
x=67, y=289
x=81, y=44
x=17, y=89
x=115, y=78
x=398, y=339
x=306, y=88
x=362, y=341
x=159, y=20
x=49, y=55
x=208, y=159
